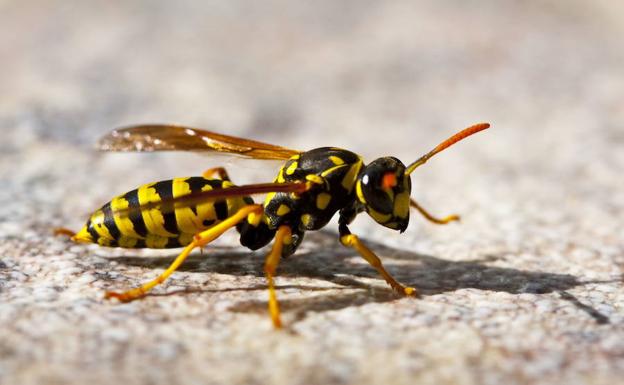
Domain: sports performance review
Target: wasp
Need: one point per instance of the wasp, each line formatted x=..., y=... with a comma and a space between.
x=310, y=188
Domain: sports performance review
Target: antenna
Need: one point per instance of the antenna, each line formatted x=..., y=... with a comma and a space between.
x=447, y=143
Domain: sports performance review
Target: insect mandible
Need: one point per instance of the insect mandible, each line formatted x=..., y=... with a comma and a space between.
x=309, y=189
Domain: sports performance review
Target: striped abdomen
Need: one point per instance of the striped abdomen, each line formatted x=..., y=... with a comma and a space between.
x=159, y=226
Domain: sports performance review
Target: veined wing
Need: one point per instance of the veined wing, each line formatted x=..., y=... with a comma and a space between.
x=166, y=137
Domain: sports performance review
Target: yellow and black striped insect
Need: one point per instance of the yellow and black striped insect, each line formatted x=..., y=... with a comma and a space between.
x=310, y=188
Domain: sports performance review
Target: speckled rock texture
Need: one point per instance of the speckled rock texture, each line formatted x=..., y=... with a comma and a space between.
x=527, y=289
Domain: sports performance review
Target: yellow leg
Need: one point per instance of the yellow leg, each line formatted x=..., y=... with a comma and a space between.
x=282, y=236
x=200, y=240
x=220, y=171
x=430, y=217
x=353, y=241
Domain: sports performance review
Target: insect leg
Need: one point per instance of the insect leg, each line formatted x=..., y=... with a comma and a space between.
x=200, y=240
x=283, y=236
x=64, y=231
x=351, y=240
x=220, y=171
x=431, y=218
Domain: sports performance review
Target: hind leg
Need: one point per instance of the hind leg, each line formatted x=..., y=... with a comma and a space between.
x=220, y=171
x=200, y=240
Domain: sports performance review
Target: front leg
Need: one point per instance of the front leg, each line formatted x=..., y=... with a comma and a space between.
x=352, y=240
x=431, y=218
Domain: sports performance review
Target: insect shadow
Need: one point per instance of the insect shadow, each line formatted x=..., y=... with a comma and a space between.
x=330, y=261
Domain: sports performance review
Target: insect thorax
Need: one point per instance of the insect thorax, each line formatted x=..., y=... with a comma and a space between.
x=333, y=173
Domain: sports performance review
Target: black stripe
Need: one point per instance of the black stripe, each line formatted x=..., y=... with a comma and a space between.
x=196, y=184
x=214, y=183
x=109, y=222
x=221, y=209
x=164, y=190
x=135, y=214
x=91, y=230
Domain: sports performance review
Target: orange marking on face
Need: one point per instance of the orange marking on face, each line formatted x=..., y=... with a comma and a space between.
x=389, y=180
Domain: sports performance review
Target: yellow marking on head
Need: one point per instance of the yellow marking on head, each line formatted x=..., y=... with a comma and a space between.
x=401, y=205
x=153, y=218
x=349, y=180
x=124, y=224
x=322, y=200
x=306, y=219
x=359, y=193
x=282, y=210
x=379, y=217
x=292, y=168
x=336, y=160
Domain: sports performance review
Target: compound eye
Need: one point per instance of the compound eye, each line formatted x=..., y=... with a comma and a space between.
x=388, y=180
x=375, y=193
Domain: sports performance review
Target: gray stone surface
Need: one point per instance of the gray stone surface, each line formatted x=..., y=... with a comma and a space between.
x=527, y=289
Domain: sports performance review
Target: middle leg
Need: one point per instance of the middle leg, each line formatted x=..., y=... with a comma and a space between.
x=283, y=236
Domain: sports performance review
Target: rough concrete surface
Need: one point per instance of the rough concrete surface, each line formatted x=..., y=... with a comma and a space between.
x=527, y=289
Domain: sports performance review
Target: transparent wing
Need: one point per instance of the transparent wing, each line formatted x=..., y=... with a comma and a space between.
x=166, y=137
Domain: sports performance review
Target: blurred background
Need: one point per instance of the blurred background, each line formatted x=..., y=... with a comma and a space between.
x=542, y=188
x=377, y=78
